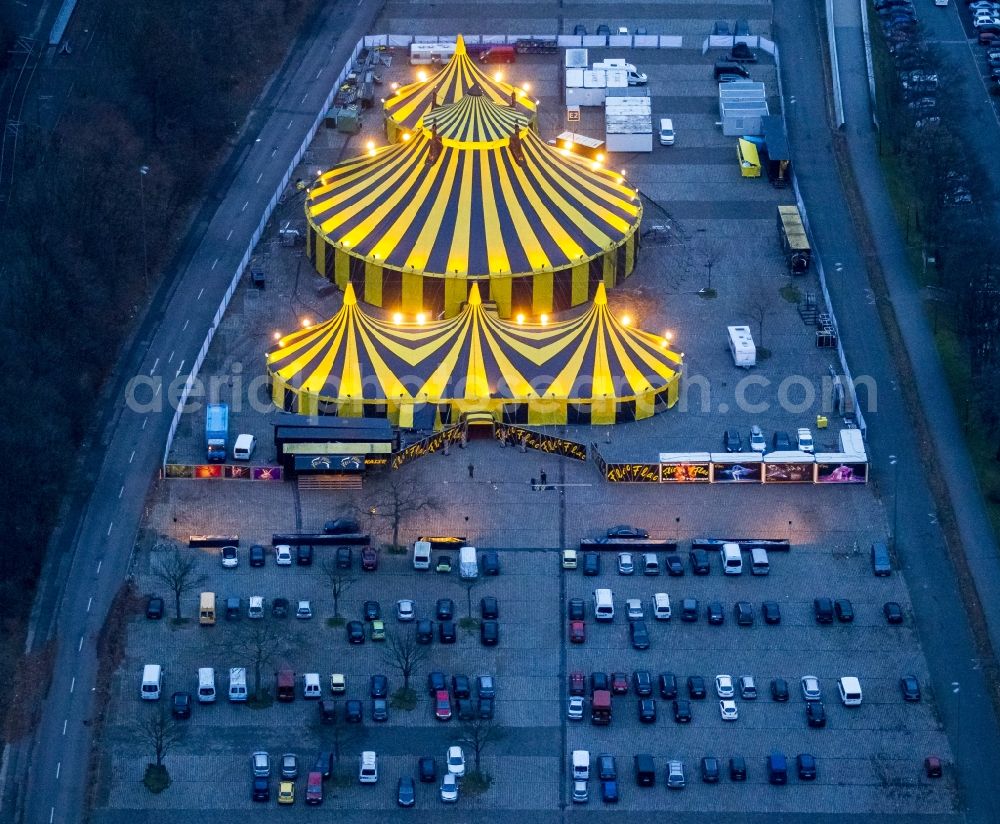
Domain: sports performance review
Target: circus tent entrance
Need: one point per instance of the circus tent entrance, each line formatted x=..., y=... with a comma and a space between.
x=479, y=426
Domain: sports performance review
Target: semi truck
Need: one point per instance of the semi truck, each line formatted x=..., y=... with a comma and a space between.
x=216, y=432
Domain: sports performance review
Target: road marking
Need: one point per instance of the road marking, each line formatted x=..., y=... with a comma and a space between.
x=155, y=364
x=157, y=392
x=231, y=231
x=99, y=566
x=303, y=100
x=274, y=151
x=199, y=294
x=64, y=725
x=52, y=815
x=121, y=492
x=179, y=368
x=89, y=602
x=132, y=457
x=144, y=422
x=185, y=326
x=171, y=355
x=289, y=125
x=72, y=684
x=319, y=74
x=109, y=527
x=58, y=770
x=258, y=180
x=217, y=260
x=245, y=206
x=80, y=645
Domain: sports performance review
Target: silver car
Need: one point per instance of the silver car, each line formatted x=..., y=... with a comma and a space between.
x=675, y=775
x=289, y=766
x=575, y=712
x=405, y=609
x=261, y=762
x=626, y=563
x=810, y=688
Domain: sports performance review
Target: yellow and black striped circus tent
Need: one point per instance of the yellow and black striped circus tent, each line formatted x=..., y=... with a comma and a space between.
x=408, y=104
x=473, y=195
x=590, y=369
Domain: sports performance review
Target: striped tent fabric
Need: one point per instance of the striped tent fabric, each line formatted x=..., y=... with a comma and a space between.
x=475, y=195
x=410, y=103
x=591, y=368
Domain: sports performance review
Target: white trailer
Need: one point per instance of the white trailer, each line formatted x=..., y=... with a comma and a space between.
x=742, y=346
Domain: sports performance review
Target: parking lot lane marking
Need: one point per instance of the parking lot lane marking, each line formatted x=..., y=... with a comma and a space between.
x=144, y=422
x=179, y=368
x=289, y=125
x=121, y=492
x=99, y=566
x=72, y=684
x=258, y=180
x=232, y=230
x=200, y=293
x=319, y=74
x=157, y=392
x=52, y=815
x=217, y=260
x=58, y=770
x=132, y=458
x=274, y=151
x=90, y=602
x=155, y=364
x=185, y=326
x=303, y=100
x=109, y=527
x=80, y=645
x=171, y=356
x=242, y=210
x=65, y=723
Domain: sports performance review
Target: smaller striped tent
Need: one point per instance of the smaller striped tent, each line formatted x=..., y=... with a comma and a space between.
x=409, y=104
x=590, y=369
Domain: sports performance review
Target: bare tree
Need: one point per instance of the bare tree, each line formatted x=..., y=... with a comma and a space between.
x=468, y=584
x=710, y=253
x=400, y=497
x=160, y=732
x=340, y=581
x=759, y=305
x=176, y=571
x=342, y=736
x=403, y=653
x=478, y=734
x=259, y=642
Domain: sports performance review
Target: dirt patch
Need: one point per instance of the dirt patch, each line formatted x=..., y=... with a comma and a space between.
x=26, y=698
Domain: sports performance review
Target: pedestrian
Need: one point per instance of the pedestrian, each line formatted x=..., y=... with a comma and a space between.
x=472, y=470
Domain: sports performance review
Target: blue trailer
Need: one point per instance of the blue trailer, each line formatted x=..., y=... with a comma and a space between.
x=216, y=432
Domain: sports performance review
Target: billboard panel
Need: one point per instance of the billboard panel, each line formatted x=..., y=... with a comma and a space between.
x=841, y=473
x=788, y=473
x=684, y=473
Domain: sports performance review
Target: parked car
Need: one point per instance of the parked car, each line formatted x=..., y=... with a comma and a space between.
x=710, y=769
x=599, y=681
x=577, y=632
x=304, y=555
x=345, y=557
x=180, y=705
x=353, y=711
x=406, y=795
x=261, y=791
x=893, y=612
x=910, y=687
x=716, y=614
x=355, y=632
x=771, y=612
x=810, y=688
x=425, y=631
x=779, y=689
x=442, y=705
x=491, y=563
x=696, y=687
x=455, y=759
x=444, y=610
x=633, y=608
x=689, y=610
x=591, y=564
x=314, y=788
x=815, y=714
x=489, y=633
x=449, y=789
x=626, y=564
x=823, y=610
x=732, y=441
x=154, y=608
x=489, y=608
x=577, y=683
x=261, y=763
x=405, y=609
x=724, y=686
x=700, y=563
x=443, y=564
x=674, y=564
x=576, y=609
x=642, y=683
x=619, y=683
x=737, y=768
x=744, y=614
x=682, y=711
x=304, y=610
x=230, y=559
x=369, y=559
x=668, y=685
x=807, y=766
x=289, y=766
x=933, y=767
x=342, y=526
x=781, y=442
x=436, y=681
x=283, y=555
x=843, y=610
x=647, y=710
x=279, y=608
x=639, y=635
x=757, y=442
x=728, y=710
x=378, y=686
x=427, y=769
x=575, y=709
x=372, y=611
x=627, y=531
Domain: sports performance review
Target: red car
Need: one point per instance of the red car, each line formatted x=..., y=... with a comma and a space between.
x=577, y=683
x=369, y=559
x=314, y=788
x=577, y=632
x=619, y=683
x=442, y=705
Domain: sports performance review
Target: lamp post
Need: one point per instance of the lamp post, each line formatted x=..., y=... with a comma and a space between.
x=894, y=463
x=143, y=171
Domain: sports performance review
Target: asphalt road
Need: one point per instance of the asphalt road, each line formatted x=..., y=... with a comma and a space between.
x=938, y=612
x=46, y=777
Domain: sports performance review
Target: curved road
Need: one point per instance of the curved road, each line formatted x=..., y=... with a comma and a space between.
x=46, y=776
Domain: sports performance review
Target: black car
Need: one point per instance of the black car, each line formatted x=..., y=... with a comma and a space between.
x=744, y=613
x=279, y=608
x=345, y=557
x=489, y=608
x=591, y=563
x=696, y=687
x=603, y=29
x=427, y=769
x=674, y=564
x=304, y=555
x=607, y=770
x=689, y=610
x=823, y=609
x=372, y=611
x=580, y=30
x=446, y=632
x=910, y=687
x=599, y=681
x=444, y=609
x=491, y=563
x=577, y=609
x=710, y=769
x=436, y=682
x=642, y=683
x=682, y=711
x=461, y=687
x=732, y=440
x=380, y=709
x=353, y=711
x=324, y=764
x=609, y=792
x=342, y=526
x=425, y=631
x=807, y=766
x=257, y=555
x=154, y=608
x=627, y=531
x=737, y=768
x=771, y=612
x=781, y=442
x=180, y=705
x=893, y=613
x=261, y=788
x=485, y=708
x=647, y=710
x=378, y=686
x=355, y=632
x=815, y=714
x=721, y=28
x=779, y=689
x=638, y=634
x=700, y=562
x=668, y=685
x=716, y=614
x=406, y=795
x=327, y=711
x=489, y=633
x=466, y=709
x=845, y=612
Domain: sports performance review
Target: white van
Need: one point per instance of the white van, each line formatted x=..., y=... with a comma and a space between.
x=468, y=566
x=368, y=772
x=661, y=606
x=256, y=607
x=244, y=447
x=849, y=688
x=422, y=555
x=759, y=565
x=604, y=606
x=666, y=131
x=310, y=685
x=732, y=560
x=152, y=682
x=581, y=765
x=206, y=685
x=237, y=684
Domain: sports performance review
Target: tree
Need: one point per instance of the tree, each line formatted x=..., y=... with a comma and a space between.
x=160, y=732
x=403, y=653
x=469, y=584
x=400, y=497
x=340, y=581
x=177, y=571
x=710, y=254
x=261, y=643
x=342, y=736
x=477, y=735
x=758, y=304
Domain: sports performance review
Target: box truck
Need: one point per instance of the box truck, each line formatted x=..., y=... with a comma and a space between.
x=216, y=432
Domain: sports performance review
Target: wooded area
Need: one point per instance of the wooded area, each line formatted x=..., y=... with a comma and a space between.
x=164, y=86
